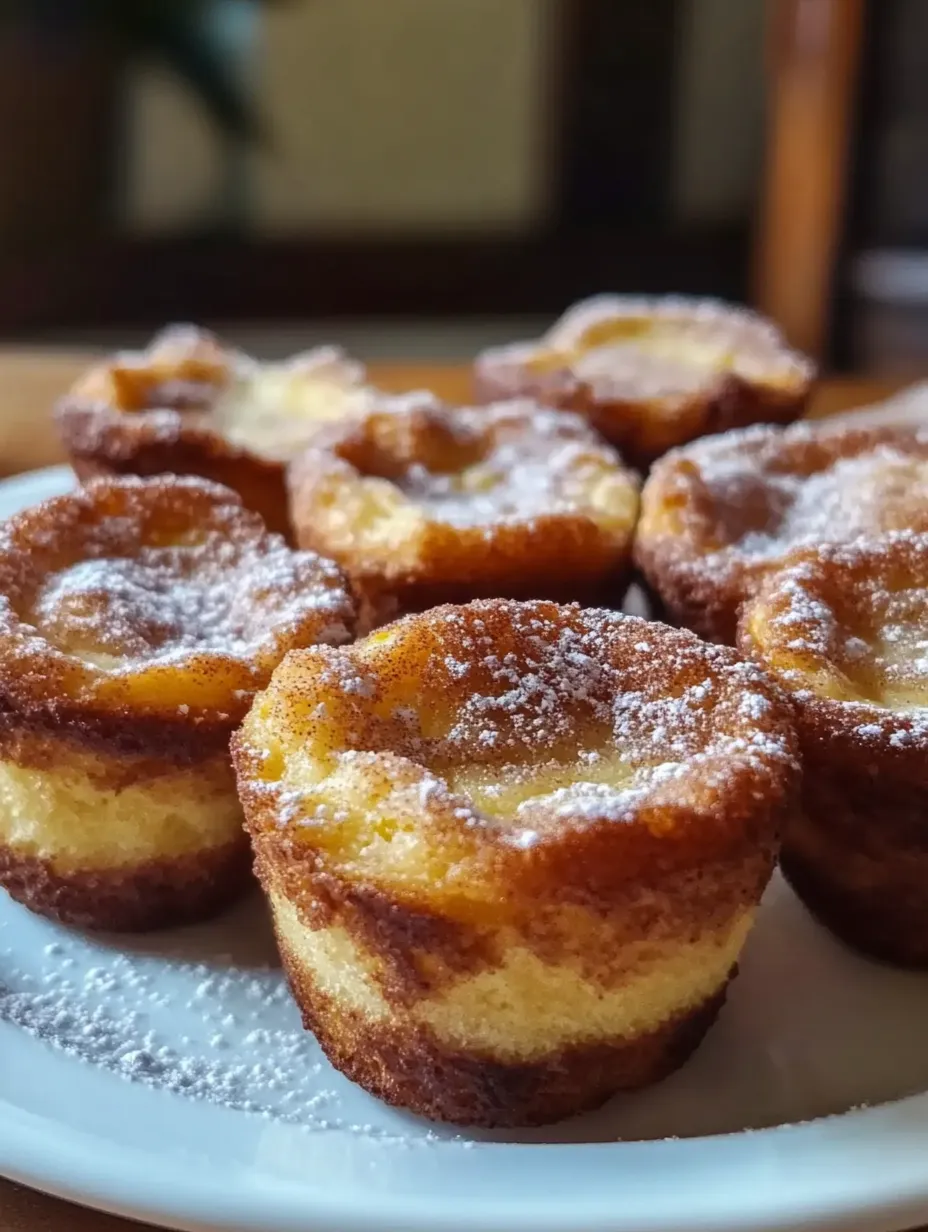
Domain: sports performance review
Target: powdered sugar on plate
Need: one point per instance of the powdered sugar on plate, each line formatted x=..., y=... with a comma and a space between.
x=202, y=1015
x=181, y=1017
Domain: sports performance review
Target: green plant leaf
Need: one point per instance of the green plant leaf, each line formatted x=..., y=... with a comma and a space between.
x=186, y=43
x=177, y=33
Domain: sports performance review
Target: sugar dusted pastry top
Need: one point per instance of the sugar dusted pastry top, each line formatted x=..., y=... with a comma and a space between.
x=651, y=374
x=470, y=738
x=415, y=490
x=659, y=351
x=631, y=347
x=158, y=596
x=720, y=512
x=186, y=380
x=845, y=628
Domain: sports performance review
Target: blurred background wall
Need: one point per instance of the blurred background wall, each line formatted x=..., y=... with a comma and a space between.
x=404, y=116
x=457, y=170
x=433, y=114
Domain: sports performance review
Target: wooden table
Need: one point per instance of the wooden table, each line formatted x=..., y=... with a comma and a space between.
x=29, y=384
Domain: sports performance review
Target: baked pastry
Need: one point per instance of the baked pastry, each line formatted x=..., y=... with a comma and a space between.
x=137, y=619
x=845, y=629
x=654, y=373
x=720, y=513
x=512, y=850
x=423, y=503
x=190, y=406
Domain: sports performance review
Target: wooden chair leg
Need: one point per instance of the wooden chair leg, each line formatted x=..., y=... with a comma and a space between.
x=813, y=61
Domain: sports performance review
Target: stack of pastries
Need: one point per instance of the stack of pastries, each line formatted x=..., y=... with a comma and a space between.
x=512, y=840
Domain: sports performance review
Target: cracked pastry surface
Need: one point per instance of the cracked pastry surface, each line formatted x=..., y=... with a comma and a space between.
x=190, y=405
x=845, y=629
x=512, y=850
x=424, y=503
x=719, y=514
x=654, y=373
x=137, y=620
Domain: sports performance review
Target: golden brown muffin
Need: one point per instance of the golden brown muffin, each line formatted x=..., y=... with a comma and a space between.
x=513, y=850
x=719, y=514
x=137, y=619
x=654, y=373
x=423, y=503
x=845, y=629
x=190, y=406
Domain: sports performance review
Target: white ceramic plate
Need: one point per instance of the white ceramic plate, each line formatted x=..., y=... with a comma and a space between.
x=168, y=1078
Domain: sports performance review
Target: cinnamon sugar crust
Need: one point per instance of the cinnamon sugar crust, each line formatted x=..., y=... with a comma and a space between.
x=423, y=503
x=137, y=620
x=519, y=837
x=421, y=951
x=189, y=405
x=406, y=1065
x=720, y=514
x=651, y=374
x=844, y=629
x=159, y=601
x=158, y=893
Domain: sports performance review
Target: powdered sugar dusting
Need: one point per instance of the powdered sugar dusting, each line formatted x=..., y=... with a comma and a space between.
x=206, y=1030
x=760, y=492
x=574, y=679
x=637, y=347
x=857, y=614
x=156, y=607
x=560, y=713
x=508, y=462
x=535, y=698
x=850, y=498
x=84, y=580
x=188, y=381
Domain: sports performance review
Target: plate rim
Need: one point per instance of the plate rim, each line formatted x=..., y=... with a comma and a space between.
x=849, y=1191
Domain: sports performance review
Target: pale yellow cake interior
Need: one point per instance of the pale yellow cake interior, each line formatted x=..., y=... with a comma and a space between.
x=384, y=503
x=681, y=342
x=384, y=815
x=62, y=815
x=501, y=791
x=524, y=1008
x=273, y=409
